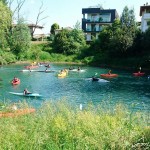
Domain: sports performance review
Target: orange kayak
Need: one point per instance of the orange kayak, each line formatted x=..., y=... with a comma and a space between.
x=18, y=112
x=109, y=75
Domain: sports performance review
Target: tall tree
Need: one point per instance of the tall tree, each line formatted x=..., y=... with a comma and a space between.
x=128, y=27
x=53, y=28
x=21, y=38
x=5, y=24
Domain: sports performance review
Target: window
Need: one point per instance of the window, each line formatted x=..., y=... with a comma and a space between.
x=105, y=17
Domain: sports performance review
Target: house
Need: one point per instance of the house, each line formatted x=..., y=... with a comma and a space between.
x=95, y=18
x=145, y=14
x=36, y=32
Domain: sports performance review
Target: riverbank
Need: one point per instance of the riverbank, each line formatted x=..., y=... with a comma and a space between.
x=29, y=62
x=62, y=126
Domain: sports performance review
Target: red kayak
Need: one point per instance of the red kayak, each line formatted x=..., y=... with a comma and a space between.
x=139, y=74
x=31, y=67
x=109, y=75
x=15, y=82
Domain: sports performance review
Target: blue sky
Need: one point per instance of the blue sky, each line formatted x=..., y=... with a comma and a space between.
x=68, y=12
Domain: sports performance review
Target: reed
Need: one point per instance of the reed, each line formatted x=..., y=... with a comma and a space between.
x=63, y=126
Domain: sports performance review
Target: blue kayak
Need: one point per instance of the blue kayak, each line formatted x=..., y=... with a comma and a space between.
x=28, y=95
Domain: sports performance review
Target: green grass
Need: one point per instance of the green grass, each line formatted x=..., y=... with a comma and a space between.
x=61, y=126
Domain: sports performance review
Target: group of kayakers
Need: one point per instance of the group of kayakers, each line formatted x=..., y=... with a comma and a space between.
x=72, y=68
x=17, y=81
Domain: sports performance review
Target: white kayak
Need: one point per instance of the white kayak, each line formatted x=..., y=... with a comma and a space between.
x=98, y=80
x=46, y=71
x=29, y=95
x=76, y=70
x=27, y=70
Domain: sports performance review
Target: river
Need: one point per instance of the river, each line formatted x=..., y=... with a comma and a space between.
x=76, y=87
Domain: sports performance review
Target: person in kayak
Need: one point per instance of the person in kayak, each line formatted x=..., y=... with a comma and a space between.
x=15, y=80
x=94, y=78
x=109, y=72
x=139, y=70
x=26, y=92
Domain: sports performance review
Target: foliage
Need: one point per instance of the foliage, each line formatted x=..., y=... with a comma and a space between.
x=60, y=125
x=5, y=2
x=5, y=24
x=6, y=57
x=53, y=28
x=69, y=42
x=145, y=40
x=77, y=26
x=128, y=27
x=21, y=38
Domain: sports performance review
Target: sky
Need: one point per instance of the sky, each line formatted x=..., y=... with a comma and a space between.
x=67, y=12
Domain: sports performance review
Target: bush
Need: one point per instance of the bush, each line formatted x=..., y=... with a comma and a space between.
x=7, y=57
x=60, y=125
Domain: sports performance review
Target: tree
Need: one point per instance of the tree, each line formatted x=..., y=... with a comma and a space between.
x=5, y=2
x=69, y=42
x=77, y=25
x=38, y=18
x=21, y=38
x=128, y=26
x=16, y=12
x=146, y=42
x=5, y=24
x=53, y=28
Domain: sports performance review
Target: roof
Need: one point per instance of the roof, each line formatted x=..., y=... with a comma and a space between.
x=34, y=25
x=30, y=25
x=142, y=8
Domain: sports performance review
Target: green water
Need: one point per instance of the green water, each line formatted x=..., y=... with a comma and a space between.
x=76, y=87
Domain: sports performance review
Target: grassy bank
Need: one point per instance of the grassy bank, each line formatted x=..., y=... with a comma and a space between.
x=59, y=126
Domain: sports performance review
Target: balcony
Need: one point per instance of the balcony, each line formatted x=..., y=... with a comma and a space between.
x=100, y=20
x=146, y=16
x=93, y=30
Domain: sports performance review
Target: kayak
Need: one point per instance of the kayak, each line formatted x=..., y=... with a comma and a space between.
x=31, y=67
x=28, y=95
x=76, y=70
x=18, y=112
x=95, y=79
x=47, y=71
x=63, y=74
x=109, y=75
x=138, y=74
x=27, y=70
x=15, y=82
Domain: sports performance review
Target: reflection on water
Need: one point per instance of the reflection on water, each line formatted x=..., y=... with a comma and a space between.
x=77, y=87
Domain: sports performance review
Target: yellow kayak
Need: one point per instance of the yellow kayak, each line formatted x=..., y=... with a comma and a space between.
x=63, y=74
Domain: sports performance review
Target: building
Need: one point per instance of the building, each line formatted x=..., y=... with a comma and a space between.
x=145, y=14
x=36, y=31
x=94, y=19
